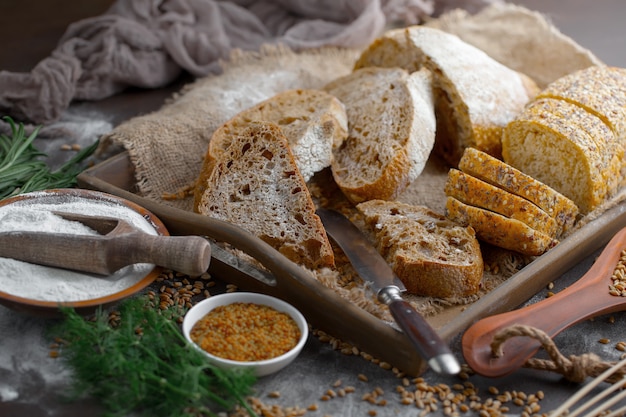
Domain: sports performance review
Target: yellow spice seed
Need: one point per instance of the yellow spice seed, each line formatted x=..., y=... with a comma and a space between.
x=246, y=332
x=604, y=341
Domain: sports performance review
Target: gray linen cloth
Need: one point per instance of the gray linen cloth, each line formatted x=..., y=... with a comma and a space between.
x=149, y=43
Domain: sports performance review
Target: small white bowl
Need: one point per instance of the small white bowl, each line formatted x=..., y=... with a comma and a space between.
x=263, y=367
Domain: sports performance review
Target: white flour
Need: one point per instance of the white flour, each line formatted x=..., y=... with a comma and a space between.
x=43, y=283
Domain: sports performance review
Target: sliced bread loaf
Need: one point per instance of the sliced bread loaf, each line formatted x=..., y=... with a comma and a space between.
x=600, y=91
x=391, y=131
x=312, y=120
x=499, y=230
x=256, y=184
x=496, y=172
x=475, y=192
x=566, y=154
x=475, y=96
x=431, y=255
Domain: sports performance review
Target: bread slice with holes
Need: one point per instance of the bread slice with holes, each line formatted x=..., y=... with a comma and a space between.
x=475, y=96
x=312, y=120
x=256, y=184
x=391, y=131
x=432, y=256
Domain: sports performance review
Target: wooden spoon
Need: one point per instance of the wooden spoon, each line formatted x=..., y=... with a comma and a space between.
x=588, y=297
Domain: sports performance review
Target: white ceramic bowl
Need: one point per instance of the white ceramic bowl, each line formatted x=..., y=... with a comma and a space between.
x=263, y=367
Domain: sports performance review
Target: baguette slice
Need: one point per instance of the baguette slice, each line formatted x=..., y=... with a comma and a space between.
x=496, y=172
x=498, y=230
x=431, y=255
x=475, y=96
x=312, y=120
x=391, y=131
x=478, y=193
x=256, y=184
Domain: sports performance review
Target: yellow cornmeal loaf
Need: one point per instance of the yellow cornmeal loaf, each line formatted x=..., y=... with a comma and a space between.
x=564, y=154
x=431, y=255
x=475, y=96
x=478, y=193
x=599, y=90
x=502, y=175
x=498, y=230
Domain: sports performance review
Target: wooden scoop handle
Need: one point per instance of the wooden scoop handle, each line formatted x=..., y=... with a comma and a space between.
x=189, y=255
x=586, y=298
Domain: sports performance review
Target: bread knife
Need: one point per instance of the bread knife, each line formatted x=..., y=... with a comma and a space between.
x=372, y=267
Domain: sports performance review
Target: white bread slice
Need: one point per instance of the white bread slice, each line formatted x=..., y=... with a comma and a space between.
x=256, y=184
x=475, y=192
x=495, y=229
x=391, y=131
x=496, y=172
x=431, y=255
x=312, y=120
x=475, y=96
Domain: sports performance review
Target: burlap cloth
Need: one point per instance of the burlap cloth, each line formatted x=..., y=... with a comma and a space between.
x=167, y=147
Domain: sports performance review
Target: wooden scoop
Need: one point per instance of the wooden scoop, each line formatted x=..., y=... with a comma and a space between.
x=118, y=245
x=586, y=298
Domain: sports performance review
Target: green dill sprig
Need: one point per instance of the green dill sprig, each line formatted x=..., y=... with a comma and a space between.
x=22, y=169
x=143, y=364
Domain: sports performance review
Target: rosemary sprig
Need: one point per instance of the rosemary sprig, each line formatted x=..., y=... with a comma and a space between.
x=22, y=170
x=144, y=364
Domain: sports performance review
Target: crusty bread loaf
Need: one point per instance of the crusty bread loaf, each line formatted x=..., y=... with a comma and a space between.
x=312, y=120
x=475, y=96
x=431, y=255
x=494, y=171
x=391, y=131
x=498, y=230
x=475, y=192
x=569, y=155
x=256, y=184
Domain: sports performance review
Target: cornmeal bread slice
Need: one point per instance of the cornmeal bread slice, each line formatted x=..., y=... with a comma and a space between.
x=391, y=131
x=475, y=192
x=498, y=230
x=502, y=175
x=475, y=96
x=431, y=255
x=312, y=120
x=256, y=184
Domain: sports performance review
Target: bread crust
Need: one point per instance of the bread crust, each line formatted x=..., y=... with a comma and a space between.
x=498, y=230
x=256, y=184
x=432, y=255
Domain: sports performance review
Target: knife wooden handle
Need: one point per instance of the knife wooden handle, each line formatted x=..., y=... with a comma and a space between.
x=418, y=330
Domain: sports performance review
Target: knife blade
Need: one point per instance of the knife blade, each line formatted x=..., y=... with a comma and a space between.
x=372, y=267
